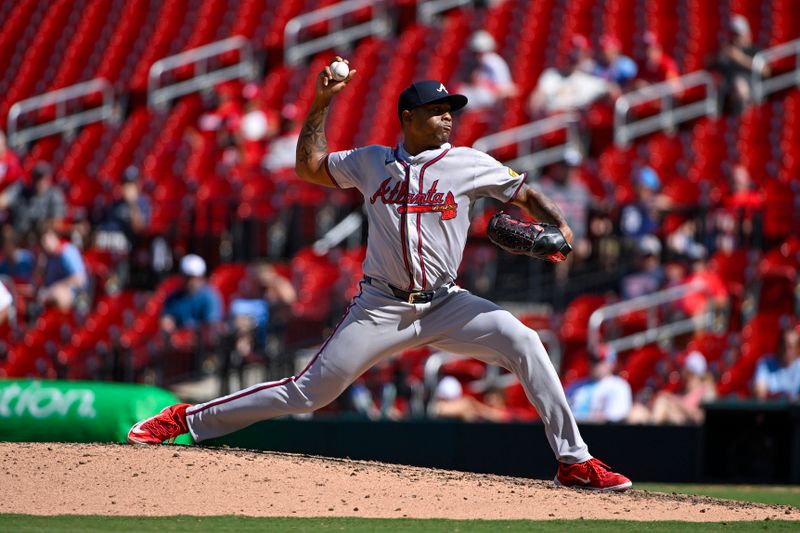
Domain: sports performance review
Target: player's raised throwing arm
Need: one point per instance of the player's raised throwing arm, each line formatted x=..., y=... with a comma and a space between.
x=542, y=208
x=312, y=146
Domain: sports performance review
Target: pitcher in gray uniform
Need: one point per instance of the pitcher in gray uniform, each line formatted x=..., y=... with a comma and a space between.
x=417, y=197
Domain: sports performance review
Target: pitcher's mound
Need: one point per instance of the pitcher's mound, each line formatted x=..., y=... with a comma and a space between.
x=102, y=479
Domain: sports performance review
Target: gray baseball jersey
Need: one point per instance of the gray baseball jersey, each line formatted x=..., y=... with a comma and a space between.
x=418, y=207
x=418, y=210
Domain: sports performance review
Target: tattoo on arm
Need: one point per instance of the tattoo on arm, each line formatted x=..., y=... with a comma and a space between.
x=312, y=145
x=542, y=207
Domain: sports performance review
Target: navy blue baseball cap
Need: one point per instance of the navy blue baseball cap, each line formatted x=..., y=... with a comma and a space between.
x=425, y=92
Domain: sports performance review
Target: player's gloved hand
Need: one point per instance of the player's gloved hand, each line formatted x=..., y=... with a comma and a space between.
x=542, y=241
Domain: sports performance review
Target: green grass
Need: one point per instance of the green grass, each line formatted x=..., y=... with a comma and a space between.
x=190, y=524
x=769, y=494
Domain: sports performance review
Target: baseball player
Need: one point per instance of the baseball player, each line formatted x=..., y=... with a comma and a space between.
x=417, y=197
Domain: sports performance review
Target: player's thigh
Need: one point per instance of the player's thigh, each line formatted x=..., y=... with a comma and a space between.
x=479, y=328
x=357, y=344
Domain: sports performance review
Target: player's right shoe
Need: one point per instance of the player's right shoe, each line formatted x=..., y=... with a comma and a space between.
x=165, y=426
x=591, y=475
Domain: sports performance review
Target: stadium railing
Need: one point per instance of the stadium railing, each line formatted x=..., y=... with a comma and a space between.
x=764, y=85
x=340, y=31
x=348, y=228
x=427, y=10
x=528, y=157
x=204, y=74
x=72, y=107
x=669, y=97
x=659, y=328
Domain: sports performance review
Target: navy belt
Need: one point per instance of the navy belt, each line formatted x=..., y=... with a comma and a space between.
x=412, y=297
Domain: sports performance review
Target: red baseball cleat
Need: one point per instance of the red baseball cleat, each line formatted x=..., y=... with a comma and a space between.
x=591, y=475
x=166, y=425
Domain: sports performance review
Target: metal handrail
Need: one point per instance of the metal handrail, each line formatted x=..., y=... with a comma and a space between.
x=349, y=225
x=523, y=136
x=654, y=331
x=159, y=95
x=427, y=10
x=765, y=86
x=65, y=120
x=338, y=35
x=669, y=116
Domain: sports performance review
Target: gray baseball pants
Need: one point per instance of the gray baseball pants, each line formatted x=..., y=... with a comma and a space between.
x=378, y=325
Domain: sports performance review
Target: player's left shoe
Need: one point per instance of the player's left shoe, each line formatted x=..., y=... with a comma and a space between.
x=165, y=426
x=591, y=475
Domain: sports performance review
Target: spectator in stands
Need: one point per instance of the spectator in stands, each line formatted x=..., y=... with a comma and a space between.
x=10, y=172
x=490, y=81
x=684, y=407
x=745, y=201
x=642, y=217
x=778, y=375
x=257, y=127
x=282, y=148
x=582, y=50
x=230, y=109
x=734, y=61
x=657, y=66
x=6, y=301
x=17, y=263
x=65, y=279
x=710, y=292
x=129, y=215
x=42, y=202
x=450, y=402
x=561, y=183
x=615, y=67
x=567, y=88
x=649, y=274
x=265, y=297
x=195, y=303
x=603, y=396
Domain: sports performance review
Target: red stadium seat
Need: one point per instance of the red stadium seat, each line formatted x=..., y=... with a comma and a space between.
x=640, y=365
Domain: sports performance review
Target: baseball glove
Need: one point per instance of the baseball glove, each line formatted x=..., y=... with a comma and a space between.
x=542, y=241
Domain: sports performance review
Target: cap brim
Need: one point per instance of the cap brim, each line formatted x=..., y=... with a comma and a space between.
x=456, y=101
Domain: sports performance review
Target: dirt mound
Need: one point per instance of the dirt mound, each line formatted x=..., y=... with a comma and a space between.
x=46, y=478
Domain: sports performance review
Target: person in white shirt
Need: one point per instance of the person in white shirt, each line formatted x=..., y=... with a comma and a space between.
x=5, y=303
x=603, y=396
x=491, y=80
x=567, y=88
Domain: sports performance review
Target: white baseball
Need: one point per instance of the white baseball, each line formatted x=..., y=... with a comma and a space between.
x=339, y=70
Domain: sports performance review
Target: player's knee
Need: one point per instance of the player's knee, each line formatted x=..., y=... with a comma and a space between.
x=527, y=341
x=317, y=399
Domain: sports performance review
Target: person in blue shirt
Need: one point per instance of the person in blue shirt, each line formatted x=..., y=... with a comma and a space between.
x=264, y=299
x=614, y=66
x=65, y=277
x=778, y=375
x=196, y=303
x=602, y=396
x=642, y=217
x=17, y=263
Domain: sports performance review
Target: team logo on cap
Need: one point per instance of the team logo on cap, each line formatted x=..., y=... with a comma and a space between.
x=441, y=89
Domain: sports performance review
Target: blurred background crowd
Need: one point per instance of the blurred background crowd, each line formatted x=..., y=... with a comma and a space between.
x=176, y=246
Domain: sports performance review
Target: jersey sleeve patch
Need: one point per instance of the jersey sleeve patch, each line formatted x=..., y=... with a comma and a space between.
x=495, y=180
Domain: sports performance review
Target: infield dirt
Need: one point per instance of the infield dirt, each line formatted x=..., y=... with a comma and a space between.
x=113, y=479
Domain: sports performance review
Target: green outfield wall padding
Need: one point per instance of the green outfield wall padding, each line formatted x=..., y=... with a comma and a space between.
x=76, y=411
